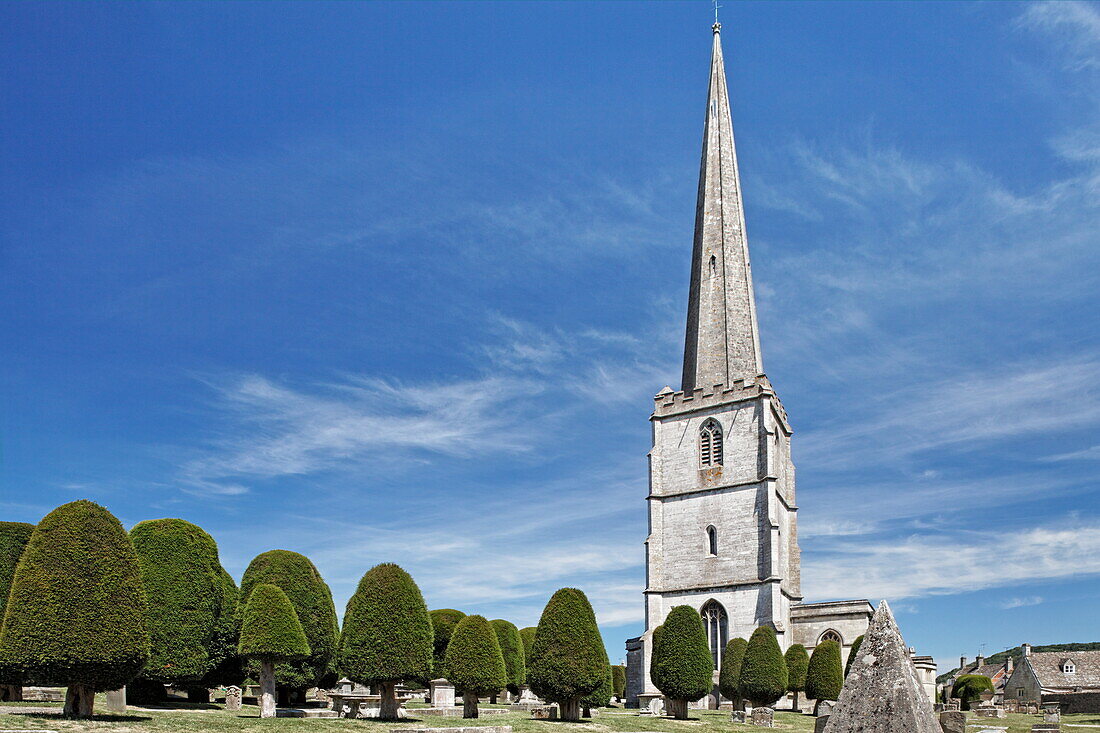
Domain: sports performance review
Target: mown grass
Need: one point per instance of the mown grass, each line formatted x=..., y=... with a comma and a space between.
x=608, y=721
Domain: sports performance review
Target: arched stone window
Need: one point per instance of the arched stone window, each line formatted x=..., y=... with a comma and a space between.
x=831, y=635
x=710, y=443
x=717, y=625
x=712, y=540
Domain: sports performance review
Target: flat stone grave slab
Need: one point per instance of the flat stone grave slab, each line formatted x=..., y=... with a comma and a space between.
x=305, y=713
x=468, y=729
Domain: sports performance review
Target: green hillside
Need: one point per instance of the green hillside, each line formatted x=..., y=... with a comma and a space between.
x=1017, y=652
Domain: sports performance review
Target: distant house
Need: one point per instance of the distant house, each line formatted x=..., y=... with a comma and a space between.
x=1071, y=678
x=999, y=673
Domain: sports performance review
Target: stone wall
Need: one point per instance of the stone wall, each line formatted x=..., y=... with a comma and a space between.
x=1075, y=702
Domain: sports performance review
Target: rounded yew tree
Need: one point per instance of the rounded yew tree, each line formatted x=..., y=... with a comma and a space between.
x=444, y=621
x=227, y=668
x=475, y=662
x=312, y=599
x=797, y=661
x=387, y=636
x=852, y=654
x=511, y=646
x=763, y=678
x=527, y=636
x=270, y=633
x=824, y=675
x=568, y=658
x=681, y=666
x=186, y=602
x=76, y=610
x=600, y=697
x=969, y=687
x=729, y=676
x=618, y=681
x=13, y=539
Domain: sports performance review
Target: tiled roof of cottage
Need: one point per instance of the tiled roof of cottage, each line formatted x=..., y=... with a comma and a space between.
x=1048, y=668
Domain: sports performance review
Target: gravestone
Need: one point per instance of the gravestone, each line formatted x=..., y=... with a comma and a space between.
x=953, y=722
x=443, y=694
x=820, y=722
x=548, y=712
x=882, y=693
x=763, y=717
x=657, y=706
x=1052, y=714
x=116, y=700
x=232, y=698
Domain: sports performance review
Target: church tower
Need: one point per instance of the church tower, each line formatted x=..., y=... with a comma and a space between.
x=722, y=516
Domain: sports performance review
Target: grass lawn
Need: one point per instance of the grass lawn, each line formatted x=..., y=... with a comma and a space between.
x=609, y=720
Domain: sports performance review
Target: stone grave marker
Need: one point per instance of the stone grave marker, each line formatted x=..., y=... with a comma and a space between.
x=882, y=693
x=953, y=721
x=116, y=700
x=1052, y=714
x=443, y=694
x=763, y=717
x=821, y=721
x=232, y=698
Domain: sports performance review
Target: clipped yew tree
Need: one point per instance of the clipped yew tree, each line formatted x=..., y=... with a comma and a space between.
x=444, y=621
x=270, y=633
x=598, y=698
x=852, y=654
x=13, y=539
x=387, y=636
x=618, y=681
x=475, y=662
x=797, y=661
x=511, y=647
x=763, y=678
x=187, y=603
x=681, y=666
x=568, y=658
x=969, y=687
x=227, y=669
x=312, y=600
x=824, y=675
x=729, y=675
x=527, y=636
x=75, y=614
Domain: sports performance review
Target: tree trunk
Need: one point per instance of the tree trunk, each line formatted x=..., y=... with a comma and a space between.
x=11, y=693
x=817, y=707
x=388, y=707
x=469, y=705
x=795, y=706
x=267, y=689
x=570, y=709
x=79, y=701
x=677, y=708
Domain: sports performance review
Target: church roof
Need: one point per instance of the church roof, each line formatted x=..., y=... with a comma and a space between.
x=1048, y=669
x=722, y=342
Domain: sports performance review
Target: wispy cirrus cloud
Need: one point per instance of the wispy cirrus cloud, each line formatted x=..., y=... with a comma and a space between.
x=1019, y=602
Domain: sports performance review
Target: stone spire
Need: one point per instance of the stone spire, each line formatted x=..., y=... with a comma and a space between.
x=722, y=340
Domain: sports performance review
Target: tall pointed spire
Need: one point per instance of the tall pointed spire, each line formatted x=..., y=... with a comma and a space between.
x=723, y=343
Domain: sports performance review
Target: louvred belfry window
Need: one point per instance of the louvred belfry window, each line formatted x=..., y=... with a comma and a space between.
x=710, y=443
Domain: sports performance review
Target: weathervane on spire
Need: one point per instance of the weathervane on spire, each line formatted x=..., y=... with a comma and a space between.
x=717, y=26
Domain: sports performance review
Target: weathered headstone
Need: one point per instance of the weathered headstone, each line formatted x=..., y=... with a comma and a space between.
x=443, y=694
x=882, y=693
x=763, y=717
x=1052, y=714
x=657, y=706
x=820, y=722
x=116, y=700
x=232, y=698
x=953, y=721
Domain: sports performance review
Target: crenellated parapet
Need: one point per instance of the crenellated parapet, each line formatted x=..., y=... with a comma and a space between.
x=667, y=402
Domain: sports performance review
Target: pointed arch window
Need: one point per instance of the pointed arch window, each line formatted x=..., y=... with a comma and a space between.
x=712, y=540
x=710, y=443
x=831, y=635
x=716, y=623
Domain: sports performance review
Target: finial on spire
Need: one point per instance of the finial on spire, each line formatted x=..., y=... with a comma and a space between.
x=717, y=27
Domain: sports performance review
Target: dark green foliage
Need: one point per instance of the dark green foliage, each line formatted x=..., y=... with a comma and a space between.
x=270, y=629
x=798, y=662
x=824, y=675
x=729, y=676
x=312, y=601
x=227, y=668
x=969, y=687
x=13, y=538
x=527, y=636
x=681, y=666
x=568, y=659
x=474, y=659
x=444, y=621
x=618, y=681
x=511, y=646
x=186, y=600
x=763, y=678
x=601, y=696
x=76, y=610
x=852, y=654
x=387, y=633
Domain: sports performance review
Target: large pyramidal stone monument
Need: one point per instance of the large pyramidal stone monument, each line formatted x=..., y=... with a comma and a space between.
x=882, y=693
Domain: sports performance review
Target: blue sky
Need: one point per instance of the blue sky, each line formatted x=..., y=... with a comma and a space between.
x=397, y=282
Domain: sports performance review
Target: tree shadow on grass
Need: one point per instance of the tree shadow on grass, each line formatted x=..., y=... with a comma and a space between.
x=95, y=717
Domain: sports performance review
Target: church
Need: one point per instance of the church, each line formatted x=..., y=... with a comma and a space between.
x=723, y=517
